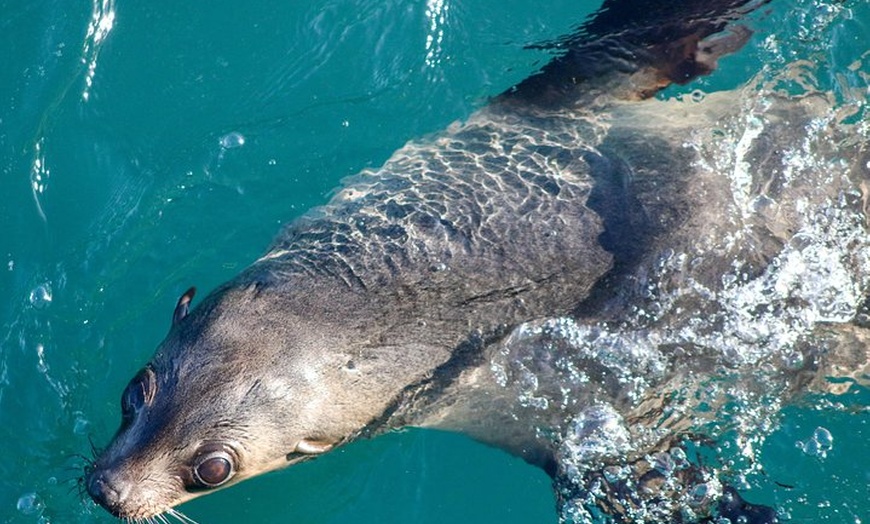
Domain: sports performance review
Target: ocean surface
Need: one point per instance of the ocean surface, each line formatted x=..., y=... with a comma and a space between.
x=149, y=146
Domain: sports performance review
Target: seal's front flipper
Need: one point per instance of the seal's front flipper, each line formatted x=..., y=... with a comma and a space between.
x=733, y=508
x=631, y=49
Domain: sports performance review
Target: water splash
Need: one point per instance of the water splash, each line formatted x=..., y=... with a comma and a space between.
x=436, y=15
x=100, y=25
x=711, y=333
x=39, y=175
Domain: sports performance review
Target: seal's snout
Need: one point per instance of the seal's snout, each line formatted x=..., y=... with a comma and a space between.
x=106, y=489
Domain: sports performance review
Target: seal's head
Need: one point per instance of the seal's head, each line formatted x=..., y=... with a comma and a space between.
x=222, y=400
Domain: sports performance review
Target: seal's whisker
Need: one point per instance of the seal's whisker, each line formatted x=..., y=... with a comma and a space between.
x=75, y=479
x=88, y=460
x=77, y=487
x=75, y=469
x=180, y=516
x=95, y=451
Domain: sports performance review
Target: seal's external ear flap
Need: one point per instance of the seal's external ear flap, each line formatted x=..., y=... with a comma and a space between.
x=312, y=447
x=307, y=448
x=183, y=306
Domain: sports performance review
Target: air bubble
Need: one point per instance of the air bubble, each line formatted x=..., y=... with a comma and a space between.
x=435, y=268
x=793, y=360
x=30, y=504
x=678, y=455
x=81, y=424
x=613, y=474
x=40, y=296
x=40, y=355
x=664, y=463
x=823, y=437
x=232, y=140
x=819, y=444
x=699, y=494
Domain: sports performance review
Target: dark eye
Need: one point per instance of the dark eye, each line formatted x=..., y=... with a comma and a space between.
x=213, y=468
x=140, y=392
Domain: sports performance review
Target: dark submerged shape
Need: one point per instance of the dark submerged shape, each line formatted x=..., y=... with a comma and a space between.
x=416, y=295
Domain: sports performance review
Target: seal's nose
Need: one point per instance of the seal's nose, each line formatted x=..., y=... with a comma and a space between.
x=101, y=488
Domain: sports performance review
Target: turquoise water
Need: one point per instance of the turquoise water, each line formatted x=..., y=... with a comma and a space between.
x=148, y=148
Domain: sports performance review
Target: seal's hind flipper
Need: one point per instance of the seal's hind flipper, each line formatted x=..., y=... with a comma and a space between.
x=631, y=49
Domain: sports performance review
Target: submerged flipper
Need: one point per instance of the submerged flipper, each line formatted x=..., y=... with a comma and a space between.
x=631, y=49
x=673, y=485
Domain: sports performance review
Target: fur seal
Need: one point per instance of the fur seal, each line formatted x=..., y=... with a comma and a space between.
x=499, y=279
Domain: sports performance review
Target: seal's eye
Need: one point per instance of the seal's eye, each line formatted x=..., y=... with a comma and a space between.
x=213, y=468
x=140, y=392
